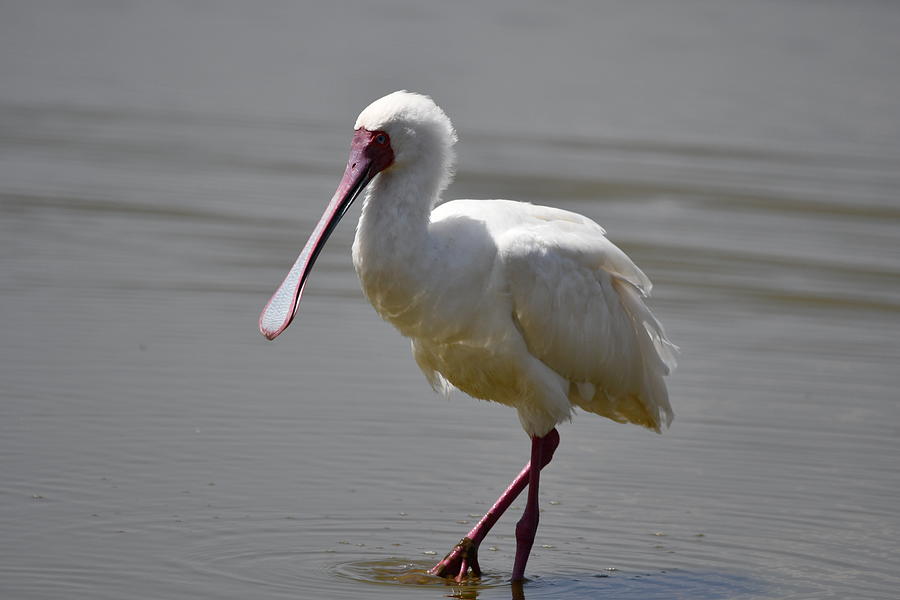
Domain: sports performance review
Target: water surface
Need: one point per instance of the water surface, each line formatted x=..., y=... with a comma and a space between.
x=161, y=163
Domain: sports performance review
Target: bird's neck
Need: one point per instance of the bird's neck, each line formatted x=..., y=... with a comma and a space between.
x=391, y=251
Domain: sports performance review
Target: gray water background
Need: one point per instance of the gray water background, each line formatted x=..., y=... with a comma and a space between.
x=162, y=162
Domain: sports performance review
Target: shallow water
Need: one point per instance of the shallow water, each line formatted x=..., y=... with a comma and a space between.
x=161, y=164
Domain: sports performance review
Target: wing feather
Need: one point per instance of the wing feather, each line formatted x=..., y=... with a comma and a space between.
x=577, y=299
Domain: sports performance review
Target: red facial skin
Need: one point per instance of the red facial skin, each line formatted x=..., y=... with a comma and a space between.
x=372, y=146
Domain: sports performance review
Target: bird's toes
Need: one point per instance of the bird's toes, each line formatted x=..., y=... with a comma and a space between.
x=459, y=562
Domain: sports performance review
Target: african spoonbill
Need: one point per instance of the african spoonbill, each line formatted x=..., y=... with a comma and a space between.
x=524, y=305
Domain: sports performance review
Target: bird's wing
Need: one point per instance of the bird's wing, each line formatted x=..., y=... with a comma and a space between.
x=577, y=300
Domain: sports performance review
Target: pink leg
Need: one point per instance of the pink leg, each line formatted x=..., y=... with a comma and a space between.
x=528, y=524
x=464, y=556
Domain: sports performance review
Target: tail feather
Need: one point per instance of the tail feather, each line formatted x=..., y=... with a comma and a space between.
x=657, y=352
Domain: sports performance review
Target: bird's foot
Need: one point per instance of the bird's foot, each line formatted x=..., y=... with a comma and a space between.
x=462, y=559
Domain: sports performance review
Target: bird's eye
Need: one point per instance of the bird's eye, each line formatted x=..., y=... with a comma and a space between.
x=380, y=139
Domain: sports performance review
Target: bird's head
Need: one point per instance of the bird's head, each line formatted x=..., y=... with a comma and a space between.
x=401, y=132
x=419, y=134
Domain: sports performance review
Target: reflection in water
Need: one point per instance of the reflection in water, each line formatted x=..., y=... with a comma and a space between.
x=397, y=571
x=659, y=585
x=414, y=574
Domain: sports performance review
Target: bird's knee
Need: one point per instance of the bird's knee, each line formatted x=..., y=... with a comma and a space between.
x=549, y=444
x=526, y=529
x=551, y=441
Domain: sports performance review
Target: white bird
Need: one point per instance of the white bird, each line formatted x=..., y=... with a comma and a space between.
x=524, y=305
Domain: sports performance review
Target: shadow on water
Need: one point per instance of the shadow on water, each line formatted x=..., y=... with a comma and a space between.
x=615, y=585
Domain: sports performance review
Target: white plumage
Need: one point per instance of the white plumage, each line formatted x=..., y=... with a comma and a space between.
x=525, y=305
